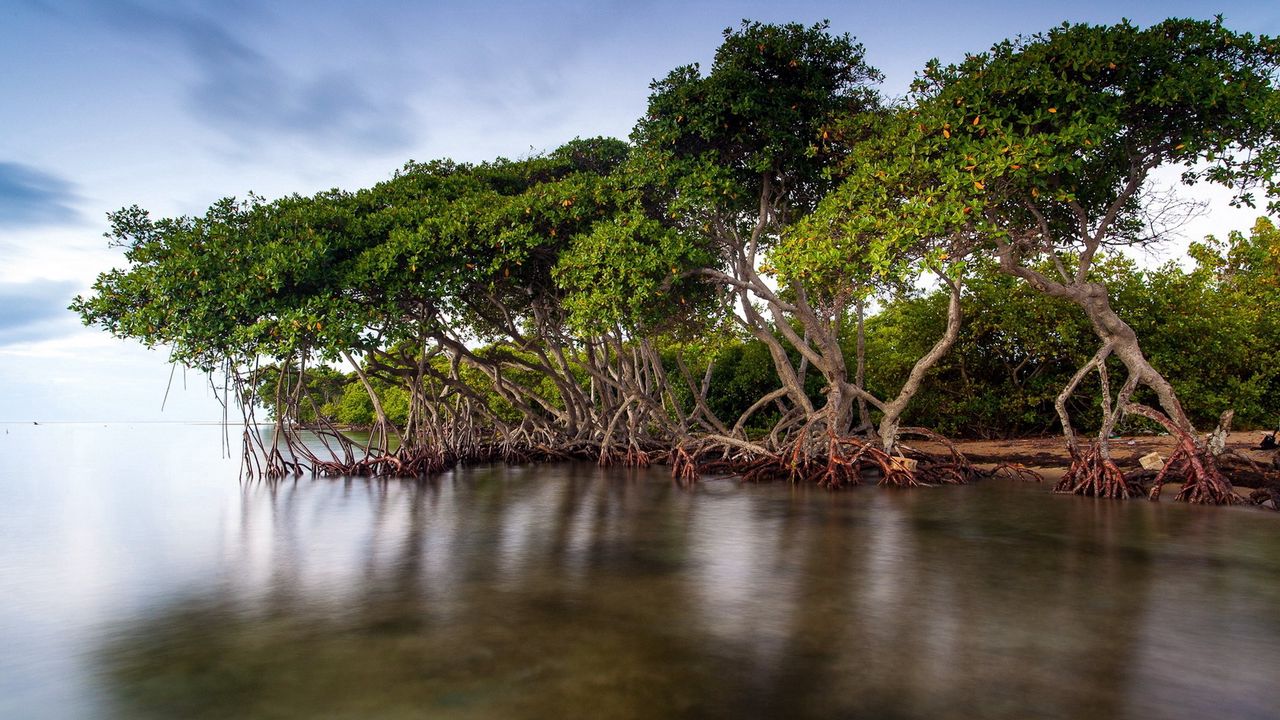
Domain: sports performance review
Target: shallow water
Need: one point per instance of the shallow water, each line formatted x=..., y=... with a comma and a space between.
x=140, y=579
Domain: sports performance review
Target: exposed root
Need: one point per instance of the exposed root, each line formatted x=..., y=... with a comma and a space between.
x=830, y=461
x=608, y=457
x=684, y=466
x=404, y=463
x=825, y=459
x=849, y=458
x=1015, y=471
x=898, y=471
x=955, y=469
x=1203, y=482
x=635, y=457
x=1244, y=470
x=1093, y=474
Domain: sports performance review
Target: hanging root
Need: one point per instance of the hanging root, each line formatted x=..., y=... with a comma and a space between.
x=953, y=469
x=635, y=457
x=1093, y=474
x=1202, y=482
x=848, y=459
x=839, y=461
x=684, y=466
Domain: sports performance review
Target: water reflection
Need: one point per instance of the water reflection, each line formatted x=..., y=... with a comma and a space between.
x=571, y=591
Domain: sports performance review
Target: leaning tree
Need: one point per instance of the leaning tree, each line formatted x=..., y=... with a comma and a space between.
x=1042, y=150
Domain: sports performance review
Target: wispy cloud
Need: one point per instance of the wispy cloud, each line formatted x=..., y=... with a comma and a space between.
x=36, y=310
x=29, y=196
x=250, y=96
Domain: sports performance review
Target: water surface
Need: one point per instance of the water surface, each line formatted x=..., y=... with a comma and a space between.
x=140, y=579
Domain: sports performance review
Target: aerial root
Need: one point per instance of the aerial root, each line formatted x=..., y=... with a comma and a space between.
x=848, y=458
x=635, y=457
x=826, y=459
x=417, y=462
x=1015, y=471
x=632, y=456
x=684, y=466
x=608, y=457
x=404, y=463
x=830, y=461
x=1093, y=474
x=954, y=469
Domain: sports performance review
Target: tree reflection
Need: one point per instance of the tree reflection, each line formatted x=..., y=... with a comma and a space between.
x=574, y=591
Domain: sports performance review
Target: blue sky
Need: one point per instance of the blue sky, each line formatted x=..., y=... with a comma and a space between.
x=173, y=104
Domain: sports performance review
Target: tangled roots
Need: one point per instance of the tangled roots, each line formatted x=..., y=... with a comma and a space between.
x=1203, y=483
x=1015, y=471
x=1093, y=474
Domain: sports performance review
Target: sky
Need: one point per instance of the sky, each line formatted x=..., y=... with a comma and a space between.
x=173, y=104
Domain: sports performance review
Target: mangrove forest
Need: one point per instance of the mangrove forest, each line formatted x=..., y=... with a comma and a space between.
x=782, y=274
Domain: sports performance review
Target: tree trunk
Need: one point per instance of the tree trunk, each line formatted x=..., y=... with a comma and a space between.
x=892, y=418
x=1112, y=330
x=860, y=370
x=1092, y=471
x=382, y=425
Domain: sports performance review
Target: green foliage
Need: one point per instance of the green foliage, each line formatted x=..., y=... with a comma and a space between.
x=762, y=108
x=631, y=273
x=753, y=130
x=853, y=245
x=341, y=271
x=1045, y=137
x=324, y=385
x=353, y=408
x=743, y=373
x=1016, y=351
x=1218, y=327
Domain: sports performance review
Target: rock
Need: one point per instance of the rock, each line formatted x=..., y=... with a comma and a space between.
x=1271, y=505
x=1151, y=461
x=904, y=463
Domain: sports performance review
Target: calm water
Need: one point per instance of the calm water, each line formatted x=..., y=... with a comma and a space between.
x=140, y=579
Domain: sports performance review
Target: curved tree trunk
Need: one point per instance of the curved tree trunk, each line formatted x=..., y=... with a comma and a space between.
x=860, y=368
x=383, y=426
x=1093, y=298
x=893, y=409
